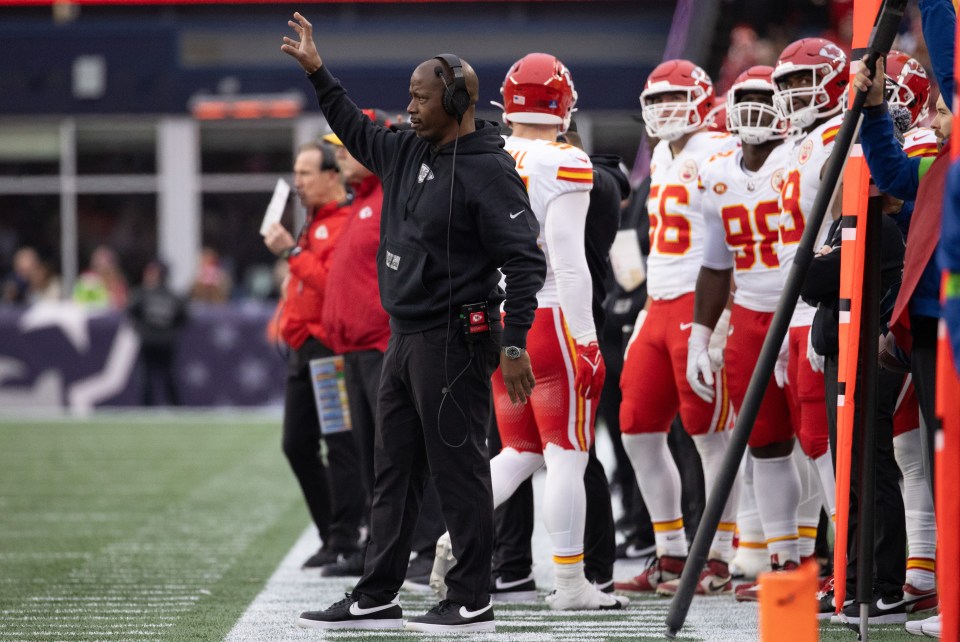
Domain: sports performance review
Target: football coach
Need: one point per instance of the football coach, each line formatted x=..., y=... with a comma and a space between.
x=454, y=211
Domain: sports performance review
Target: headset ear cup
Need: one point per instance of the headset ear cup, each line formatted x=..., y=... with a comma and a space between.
x=461, y=102
x=448, y=102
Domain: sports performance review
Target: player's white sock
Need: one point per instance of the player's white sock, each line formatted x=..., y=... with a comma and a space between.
x=776, y=486
x=828, y=483
x=568, y=576
x=659, y=482
x=748, y=517
x=565, y=505
x=811, y=501
x=712, y=448
x=918, y=505
x=509, y=469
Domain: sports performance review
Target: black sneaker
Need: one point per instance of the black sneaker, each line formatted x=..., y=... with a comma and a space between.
x=604, y=586
x=516, y=590
x=828, y=608
x=320, y=559
x=418, y=574
x=450, y=617
x=883, y=610
x=346, y=565
x=631, y=550
x=355, y=612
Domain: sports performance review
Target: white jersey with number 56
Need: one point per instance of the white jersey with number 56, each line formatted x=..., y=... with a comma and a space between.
x=676, y=222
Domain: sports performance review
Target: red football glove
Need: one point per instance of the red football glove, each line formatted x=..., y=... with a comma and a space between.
x=591, y=370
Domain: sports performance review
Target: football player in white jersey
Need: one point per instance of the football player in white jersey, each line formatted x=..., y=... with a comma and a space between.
x=740, y=204
x=676, y=100
x=555, y=426
x=810, y=80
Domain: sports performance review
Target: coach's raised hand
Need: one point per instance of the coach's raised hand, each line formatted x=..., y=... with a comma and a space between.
x=305, y=51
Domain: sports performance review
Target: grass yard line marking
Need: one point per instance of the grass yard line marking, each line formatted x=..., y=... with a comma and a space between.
x=272, y=614
x=113, y=572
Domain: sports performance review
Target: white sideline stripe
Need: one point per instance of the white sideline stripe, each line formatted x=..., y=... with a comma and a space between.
x=271, y=616
x=273, y=613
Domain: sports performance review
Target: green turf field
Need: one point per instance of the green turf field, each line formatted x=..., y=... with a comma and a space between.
x=131, y=528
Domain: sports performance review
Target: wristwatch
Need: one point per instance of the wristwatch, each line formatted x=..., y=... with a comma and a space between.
x=512, y=352
x=291, y=252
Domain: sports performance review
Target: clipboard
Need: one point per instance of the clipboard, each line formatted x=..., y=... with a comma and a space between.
x=330, y=394
x=277, y=204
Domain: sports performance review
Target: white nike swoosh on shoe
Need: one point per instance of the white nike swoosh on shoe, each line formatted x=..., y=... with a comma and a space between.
x=639, y=551
x=883, y=606
x=469, y=615
x=504, y=586
x=356, y=610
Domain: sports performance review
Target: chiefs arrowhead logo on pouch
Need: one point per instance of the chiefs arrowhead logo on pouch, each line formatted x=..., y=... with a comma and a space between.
x=776, y=181
x=688, y=171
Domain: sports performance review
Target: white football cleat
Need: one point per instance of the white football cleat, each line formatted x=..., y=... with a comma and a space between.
x=585, y=597
x=748, y=563
x=442, y=563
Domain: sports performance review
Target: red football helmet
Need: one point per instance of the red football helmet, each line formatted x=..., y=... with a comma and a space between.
x=671, y=120
x=826, y=65
x=717, y=118
x=755, y=122
x=538, y=90
x=911, y=85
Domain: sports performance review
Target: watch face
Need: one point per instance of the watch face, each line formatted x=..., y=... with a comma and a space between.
x=512, y=352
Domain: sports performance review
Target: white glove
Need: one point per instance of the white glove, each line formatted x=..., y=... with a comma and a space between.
x=699, y=363
x=626, y=260
x=780, y=368
x=718, y=340
x=816, y=360
x=636, y=330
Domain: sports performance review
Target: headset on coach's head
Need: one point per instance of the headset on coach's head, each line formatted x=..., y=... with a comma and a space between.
x=456, y=98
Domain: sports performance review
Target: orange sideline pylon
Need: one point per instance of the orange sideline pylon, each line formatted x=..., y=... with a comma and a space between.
x=788, y=605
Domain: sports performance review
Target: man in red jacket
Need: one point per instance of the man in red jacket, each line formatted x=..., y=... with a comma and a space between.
x=358, y=328
x=333, y=497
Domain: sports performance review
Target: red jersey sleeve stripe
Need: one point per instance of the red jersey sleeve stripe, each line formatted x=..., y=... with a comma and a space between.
x=927, y=149
x=575, y=174
x=830, y=134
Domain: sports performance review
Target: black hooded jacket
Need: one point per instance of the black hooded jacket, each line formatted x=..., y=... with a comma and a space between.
x=423, y=239
x=610, y=186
